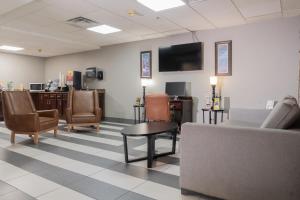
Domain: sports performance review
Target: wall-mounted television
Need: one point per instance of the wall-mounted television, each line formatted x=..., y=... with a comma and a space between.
x=183, y=57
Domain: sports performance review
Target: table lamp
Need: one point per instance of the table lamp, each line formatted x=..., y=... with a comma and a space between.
x=213, y=83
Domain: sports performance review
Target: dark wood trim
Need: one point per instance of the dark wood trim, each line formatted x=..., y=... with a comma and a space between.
x=229, y=42
x=141, y=63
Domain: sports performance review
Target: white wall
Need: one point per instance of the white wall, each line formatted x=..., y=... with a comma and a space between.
x=265, y=66
x=21, y=69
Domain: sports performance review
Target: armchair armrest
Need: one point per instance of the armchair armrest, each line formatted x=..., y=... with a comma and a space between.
x=25, y=122
x=68, y=115
x=48, y=113
x=98, y=113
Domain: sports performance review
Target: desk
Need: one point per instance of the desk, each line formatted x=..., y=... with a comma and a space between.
x=150, y=130
x=215, y=114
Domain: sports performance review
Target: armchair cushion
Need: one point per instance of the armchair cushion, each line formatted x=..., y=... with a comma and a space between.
x=48, y=113
x=47, y=122
x=84, y=118
x=283, y=115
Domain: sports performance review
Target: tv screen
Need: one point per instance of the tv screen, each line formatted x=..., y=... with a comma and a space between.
x=176, y=88
x=183, y=57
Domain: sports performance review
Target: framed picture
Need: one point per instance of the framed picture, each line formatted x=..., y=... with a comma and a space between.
x=146, y=64
x=223, y=58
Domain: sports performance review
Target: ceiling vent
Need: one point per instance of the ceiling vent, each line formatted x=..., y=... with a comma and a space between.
x=82, y=22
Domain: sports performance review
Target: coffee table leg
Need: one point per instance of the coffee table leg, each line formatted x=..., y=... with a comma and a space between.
x=125, y=148
x=151, y=150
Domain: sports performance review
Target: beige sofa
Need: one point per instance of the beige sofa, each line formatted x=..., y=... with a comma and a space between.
x=240, y=161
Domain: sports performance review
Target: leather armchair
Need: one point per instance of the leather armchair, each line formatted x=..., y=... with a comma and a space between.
x=21, y=117
x=83, y=109
x=158, y=107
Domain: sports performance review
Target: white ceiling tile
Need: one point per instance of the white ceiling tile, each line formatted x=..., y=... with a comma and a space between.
x=57, y=13
x=78, y=6
x=154, y=22
x=264, y=17
x=7, y=6
x=291, y=7
x=22, y=11
x=105, y=17
x=59, y=28
x=291, y=13
x=291, y=4
x=221, y=13
x=122, y=7
x=187, y=18
x=255, y=8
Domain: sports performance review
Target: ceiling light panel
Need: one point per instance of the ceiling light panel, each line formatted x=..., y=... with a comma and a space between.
x=10, y=48
x=104, y=29
x=159, y=5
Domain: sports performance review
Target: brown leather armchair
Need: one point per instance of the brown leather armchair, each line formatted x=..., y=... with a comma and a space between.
x=21, y=117
x=83, y=109
x=158, y=107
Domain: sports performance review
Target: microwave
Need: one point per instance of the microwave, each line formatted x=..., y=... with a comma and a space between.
x=36, y=87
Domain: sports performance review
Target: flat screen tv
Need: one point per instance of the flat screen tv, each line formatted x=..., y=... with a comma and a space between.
x=183, y=57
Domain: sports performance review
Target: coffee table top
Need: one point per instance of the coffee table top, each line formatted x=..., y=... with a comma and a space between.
x=150, y=128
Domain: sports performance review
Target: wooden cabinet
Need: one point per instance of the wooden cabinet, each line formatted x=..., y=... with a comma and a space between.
x=182, y=109
x=59, y=101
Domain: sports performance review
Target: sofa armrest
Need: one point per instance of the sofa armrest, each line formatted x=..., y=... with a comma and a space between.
x=226, y=161
x=48, y=113
x=249, y=115
x=25, y=122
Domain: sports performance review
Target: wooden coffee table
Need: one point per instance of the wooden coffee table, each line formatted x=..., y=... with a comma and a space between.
x=150, y=130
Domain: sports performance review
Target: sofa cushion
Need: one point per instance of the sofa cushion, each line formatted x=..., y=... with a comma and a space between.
x=284, y=114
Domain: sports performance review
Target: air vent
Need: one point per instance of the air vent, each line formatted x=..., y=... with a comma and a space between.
x=82, y=22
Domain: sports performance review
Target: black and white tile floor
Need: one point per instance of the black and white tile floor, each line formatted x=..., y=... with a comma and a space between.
x=84, y=165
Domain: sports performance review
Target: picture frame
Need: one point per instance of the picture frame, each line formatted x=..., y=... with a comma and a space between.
x=223, y=58
x=217, y=103
x=146, y=64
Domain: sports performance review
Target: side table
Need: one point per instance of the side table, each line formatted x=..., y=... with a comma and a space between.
x=137, y=111
x=215, y=112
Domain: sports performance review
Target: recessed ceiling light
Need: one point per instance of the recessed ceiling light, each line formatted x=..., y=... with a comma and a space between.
x=158, y=5
x=104, y=29
x=11, y=48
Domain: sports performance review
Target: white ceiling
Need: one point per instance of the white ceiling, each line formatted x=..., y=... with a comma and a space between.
x=39, y=25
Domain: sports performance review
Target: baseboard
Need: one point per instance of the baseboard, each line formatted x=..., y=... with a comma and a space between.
x=119, y=120
x=197, y=194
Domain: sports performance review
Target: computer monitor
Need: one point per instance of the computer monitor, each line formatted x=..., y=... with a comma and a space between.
x=176, y=89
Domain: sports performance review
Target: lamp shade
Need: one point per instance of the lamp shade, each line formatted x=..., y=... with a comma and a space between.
x=213, y=80
x=146, y=82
